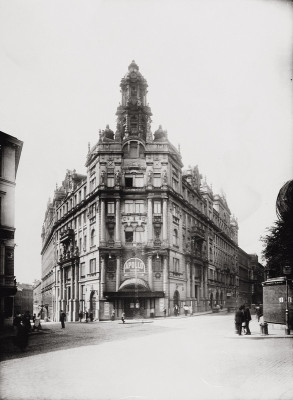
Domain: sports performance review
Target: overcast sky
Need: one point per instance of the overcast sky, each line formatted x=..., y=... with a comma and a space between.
x=220, y=81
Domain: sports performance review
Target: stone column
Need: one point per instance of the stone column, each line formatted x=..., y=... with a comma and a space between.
x=117, y=223
x=71, y=316
x=150, y=272
x=102, y=276
x=165, y=276
x=76, y=293
x=165, y=220
x=187, y=280
x=103, y=222
x=118, y=263
x=192, y=282
x=150, y=221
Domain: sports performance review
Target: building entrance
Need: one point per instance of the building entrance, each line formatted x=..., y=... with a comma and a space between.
x=135, y=308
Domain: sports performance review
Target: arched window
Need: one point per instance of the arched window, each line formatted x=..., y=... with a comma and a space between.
x=92, y=238
x=175, y=237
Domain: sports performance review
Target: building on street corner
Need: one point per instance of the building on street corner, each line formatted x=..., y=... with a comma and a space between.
x=10, y=152
x=138, y=233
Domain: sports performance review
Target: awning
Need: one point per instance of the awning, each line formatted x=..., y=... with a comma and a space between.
x=137, y=283
x=132, y=295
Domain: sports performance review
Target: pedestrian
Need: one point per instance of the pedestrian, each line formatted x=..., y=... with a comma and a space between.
x=91, y=316
x=80, y=315
x=123, y=317
x=34, y=318
x=239, y=318
x=113, y=314
x=165, y=312
x=185, y=310
x=258, y=312
x=176, y=310
x=62, y=319
x=86, y=316
x=21, y=339
x=27, y=321
x=247, y=319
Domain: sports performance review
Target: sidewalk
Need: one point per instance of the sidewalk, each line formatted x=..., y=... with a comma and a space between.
x=274, y=331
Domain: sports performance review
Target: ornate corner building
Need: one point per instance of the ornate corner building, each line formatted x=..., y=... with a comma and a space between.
x=10, y=152
x=137, y=233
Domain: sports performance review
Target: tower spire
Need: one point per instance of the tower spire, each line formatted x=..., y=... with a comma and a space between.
x=133, y=113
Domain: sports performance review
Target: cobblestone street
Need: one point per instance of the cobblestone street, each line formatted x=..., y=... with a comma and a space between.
x=173, y=358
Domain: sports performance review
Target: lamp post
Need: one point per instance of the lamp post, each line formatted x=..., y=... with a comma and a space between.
x=287, y=271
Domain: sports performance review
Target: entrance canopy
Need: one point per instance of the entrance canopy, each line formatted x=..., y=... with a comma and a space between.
x=134, y=283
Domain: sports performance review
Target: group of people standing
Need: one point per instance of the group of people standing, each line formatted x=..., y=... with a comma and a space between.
x=22, y=323
x=242, y=319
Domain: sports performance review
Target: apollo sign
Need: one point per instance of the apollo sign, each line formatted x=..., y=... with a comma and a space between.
x=134, y=265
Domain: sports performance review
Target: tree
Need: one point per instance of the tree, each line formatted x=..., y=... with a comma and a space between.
x=278, y=251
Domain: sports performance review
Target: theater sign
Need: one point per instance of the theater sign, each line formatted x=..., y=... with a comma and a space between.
x=134, y=266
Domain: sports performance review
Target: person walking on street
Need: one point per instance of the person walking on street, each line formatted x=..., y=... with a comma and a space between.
x=247, y=319
x=113, y=314
x=80, y=316
x=239, y=318
x=165, y=312
x=62, y=319
x=86, y=316
x=123, y=317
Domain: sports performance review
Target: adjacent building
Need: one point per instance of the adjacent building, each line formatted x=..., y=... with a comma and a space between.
x=10, y=151
x=23, y=300
x=137, y=233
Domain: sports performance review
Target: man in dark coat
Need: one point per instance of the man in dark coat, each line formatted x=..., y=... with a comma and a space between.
x=247, y=319
x=62, y=318
x=239, y=318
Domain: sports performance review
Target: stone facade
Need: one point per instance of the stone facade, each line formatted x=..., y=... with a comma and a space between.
x=137, y=233
x=10, y=151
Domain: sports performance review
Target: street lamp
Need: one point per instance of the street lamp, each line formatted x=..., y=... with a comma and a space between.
x=287, y=271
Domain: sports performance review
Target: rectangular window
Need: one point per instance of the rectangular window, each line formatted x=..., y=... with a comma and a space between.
x=84, y=217
x=92, y=184
x=110, y=180
x=84, y=193
x=139, y=206
x=175, y=184
x=157, y=180
x=82, y=270
x=129, y=181
x=92, y=266
x=110, y=208
x=129, y=206
x=129, y=237
x=157, y=207
x=138, y=181
x=175, y=264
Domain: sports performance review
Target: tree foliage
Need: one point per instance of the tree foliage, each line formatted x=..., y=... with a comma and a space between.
x=278, y=243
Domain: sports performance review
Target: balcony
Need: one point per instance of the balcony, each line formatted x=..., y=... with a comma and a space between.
x=197, y=233
x=67, y=236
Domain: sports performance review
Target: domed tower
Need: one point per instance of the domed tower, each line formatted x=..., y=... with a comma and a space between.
x=133, y=113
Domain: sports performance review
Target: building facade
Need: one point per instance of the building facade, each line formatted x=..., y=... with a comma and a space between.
x=137, y=233
x=23, y=300
x=10, y=151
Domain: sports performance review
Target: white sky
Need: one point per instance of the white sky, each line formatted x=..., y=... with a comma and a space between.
x=220, y=81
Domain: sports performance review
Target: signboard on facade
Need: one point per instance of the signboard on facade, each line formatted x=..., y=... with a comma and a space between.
x=134, y=265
